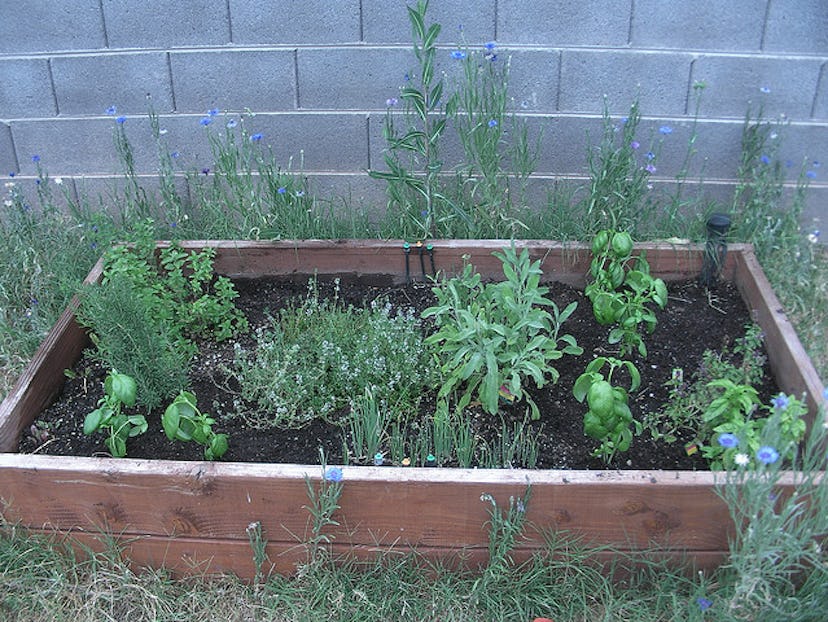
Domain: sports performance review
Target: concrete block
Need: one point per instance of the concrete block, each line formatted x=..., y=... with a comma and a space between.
x=805, y=145
x=797, y=26
x=706, y=25
x=25, y=88
x=89, y=85
x=166, y=23
x=657, y=80
x=351, y=78
x=305, y=22
x=533, y=79
x=540, y=22
x=820, y=109
x=815, y=214
x=52, y=26
x=301, y=141
x=461, y=22
x=80, y=146
x=8, y=158
x=781, y=86
x=234, y=80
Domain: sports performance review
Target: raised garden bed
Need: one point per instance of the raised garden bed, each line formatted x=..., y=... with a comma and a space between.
x=178, y=514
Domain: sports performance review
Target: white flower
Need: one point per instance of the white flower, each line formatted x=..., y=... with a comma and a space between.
x=741, y=459
x=59, y=181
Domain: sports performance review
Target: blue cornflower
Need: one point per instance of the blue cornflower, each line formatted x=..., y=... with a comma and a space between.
x=764, y=159
x=728, y=440
x=333, y=474
x=815, y=164
x=635, y=144
x=406, y=77
x=665, y=129
x=174, y=155
x=650, y=169
x=111, y=110
x=811, y=174
x=458, y=54
x=424, y=213
x=490, y=45
x=120, y=120
x=12, y=174
x=212, y=112
x=780, y=402
x=650, y=155
x=206, y=121
x=231, y=124
x=492, y=122
x=256, y=137
x=391, y=102
x=205, y=171
x=703, y=603
x=281, y=190
x=767, y=455
x=764, y=89
x=35, y=158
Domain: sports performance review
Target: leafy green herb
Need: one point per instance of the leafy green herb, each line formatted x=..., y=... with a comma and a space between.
x=497, y=335
x=119, y=391
x=183, y=421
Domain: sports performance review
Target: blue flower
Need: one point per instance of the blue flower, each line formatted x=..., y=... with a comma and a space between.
x=205, y=171
x=120, y=120
x=12, y=174
x=764, y=89
x=111, y=110
x=206, y=121
x=458, y=54
x=767, y=455
x=764, y=159
x=811, y=174
x=650, y=169
x=35, y=158
x=490, y=45
x=231, y=124
x=256, y=137
x=665, y=129
x=213, y=112
x=281, y=190
x=391, y=101
x=815, y=164
x=174, y=155
x=703, y=603
x=492, y=122
x=780, y=402
x=728, y=440
x=406, y=77
x=650, y=155
x=635, y=144
x=333, y=474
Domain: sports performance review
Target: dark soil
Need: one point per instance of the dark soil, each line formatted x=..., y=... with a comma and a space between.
x=693, y=322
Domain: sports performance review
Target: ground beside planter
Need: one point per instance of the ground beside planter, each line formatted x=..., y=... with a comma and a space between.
x=178, y=514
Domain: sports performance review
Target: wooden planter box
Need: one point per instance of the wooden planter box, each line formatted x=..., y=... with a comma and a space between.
x=192, y=516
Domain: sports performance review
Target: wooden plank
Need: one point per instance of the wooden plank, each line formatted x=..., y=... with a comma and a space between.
x=43, y=377
x=184, y=557
x=416, y=506
x=792, y=368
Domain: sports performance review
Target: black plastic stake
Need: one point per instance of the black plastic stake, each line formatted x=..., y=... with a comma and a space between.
x=715, y=250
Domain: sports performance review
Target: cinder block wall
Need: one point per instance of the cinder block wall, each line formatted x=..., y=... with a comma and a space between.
x=317, y=74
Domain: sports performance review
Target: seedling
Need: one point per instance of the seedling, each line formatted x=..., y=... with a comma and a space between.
x=119, y=391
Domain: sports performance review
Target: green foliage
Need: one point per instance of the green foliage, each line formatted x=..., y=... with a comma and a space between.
x=777, y=565
x=129, y=337
x=621, y=295
x=417, y=195
x=316, y=356
x=497, y=335
x=743, y=363
x=609, y=418
x=119, y=391
x=183, y=421
x=179, y=289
